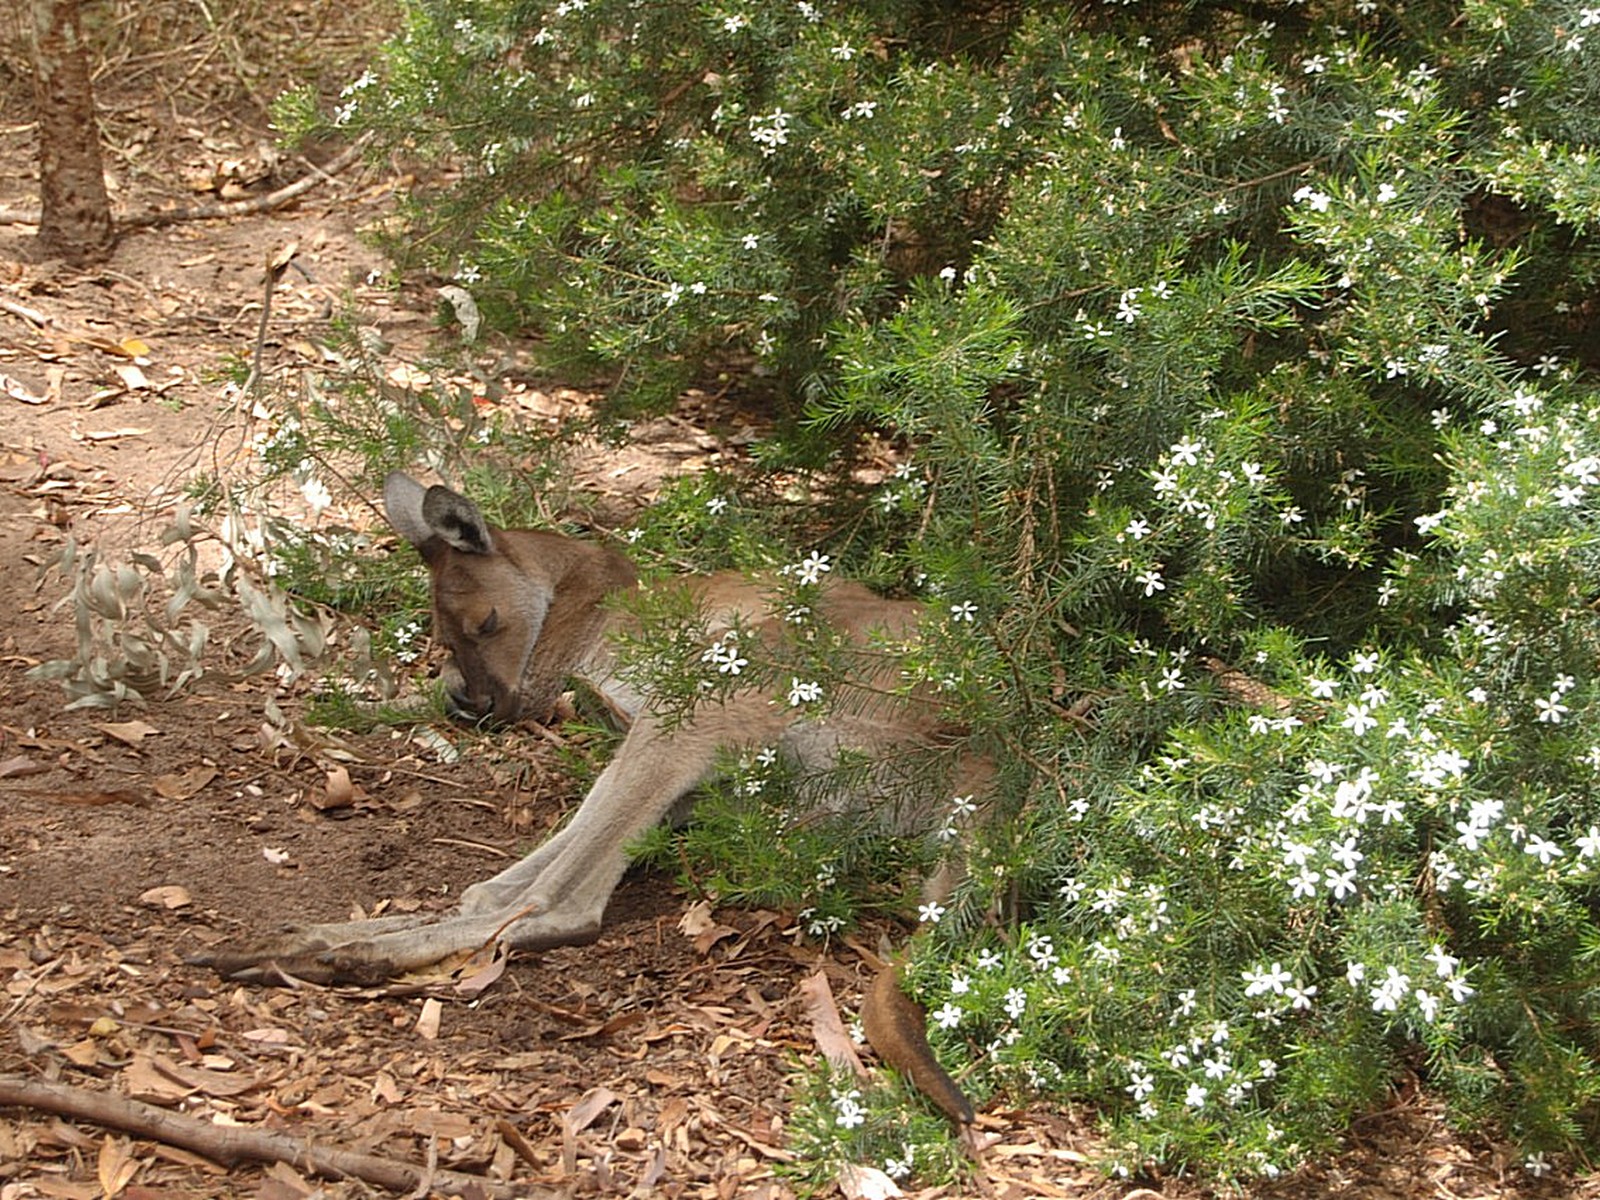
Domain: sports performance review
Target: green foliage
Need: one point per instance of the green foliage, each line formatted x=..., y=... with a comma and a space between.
x=1248, y=460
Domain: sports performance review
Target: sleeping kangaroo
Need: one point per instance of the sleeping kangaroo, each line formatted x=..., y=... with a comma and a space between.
x=522, y=611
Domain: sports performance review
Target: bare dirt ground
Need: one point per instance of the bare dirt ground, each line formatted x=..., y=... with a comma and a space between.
x=651, y=1063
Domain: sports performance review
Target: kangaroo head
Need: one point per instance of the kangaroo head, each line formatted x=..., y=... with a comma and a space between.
x=518, y=610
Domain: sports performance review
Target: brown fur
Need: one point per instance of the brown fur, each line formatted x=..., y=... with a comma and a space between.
x=520, y=611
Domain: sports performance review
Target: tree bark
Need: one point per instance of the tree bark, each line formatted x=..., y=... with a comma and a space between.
x=75, y=222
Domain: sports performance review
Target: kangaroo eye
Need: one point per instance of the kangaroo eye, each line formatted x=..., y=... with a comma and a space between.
x=490, y=623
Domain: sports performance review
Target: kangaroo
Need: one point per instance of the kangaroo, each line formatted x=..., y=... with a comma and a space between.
x=521, y=612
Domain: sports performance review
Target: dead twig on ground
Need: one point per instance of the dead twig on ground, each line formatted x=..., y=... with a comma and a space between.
x=223, y=210
x=256, y=204
x=233, y=1145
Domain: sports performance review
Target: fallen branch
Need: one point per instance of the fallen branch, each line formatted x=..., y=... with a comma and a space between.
x=222, y=209
x=231, y=1145
x=256, y=204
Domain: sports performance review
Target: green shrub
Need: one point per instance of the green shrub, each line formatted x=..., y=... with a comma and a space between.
x=1248, y=463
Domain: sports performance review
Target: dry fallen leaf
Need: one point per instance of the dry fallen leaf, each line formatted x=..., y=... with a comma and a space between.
x=697, y=923
x=578, y=1118
x=132, y=377
x=167, y=896
x=18, y=390
x=21, y=765
x=117, y=1165
x=129, y=732
x=428, y=1019
x=339, y=792
x=182, y=786
x=826, y=1026
x=866, y=1183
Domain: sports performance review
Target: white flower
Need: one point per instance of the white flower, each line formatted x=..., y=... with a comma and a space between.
x=717, y=505
x=1355, y=972
x=1545, y=852
x=803, y=692
x=1444, y=963
x=1259, y=982
x=1536, y=1164
x=930, y=912
x=848, y=1109
x=1341, y=885
x=813, y=567
x=947, y=1017
x=1305, y=884
x=1137, y=529
x=750, y=241
x=1151, y=581
x=1195, y=1097
x=1185, y=453
x=1589, y=843
x=1309, y=195
x=724, y=655
x=316, y=494
x=1016, y=1003
x=1358, y=719
x=1427, y=1003
x=1551, y=710
x=964, y=612
x=1346, y=854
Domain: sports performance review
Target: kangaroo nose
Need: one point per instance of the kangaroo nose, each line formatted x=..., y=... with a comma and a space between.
x=464, y=706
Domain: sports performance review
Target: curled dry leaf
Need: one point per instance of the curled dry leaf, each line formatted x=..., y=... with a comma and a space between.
x=698, y=925
x=338, y=792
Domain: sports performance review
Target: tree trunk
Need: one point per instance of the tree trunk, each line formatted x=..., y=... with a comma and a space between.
x=76, y=220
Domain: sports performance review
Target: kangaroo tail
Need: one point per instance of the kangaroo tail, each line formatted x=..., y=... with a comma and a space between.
x=897, y=1029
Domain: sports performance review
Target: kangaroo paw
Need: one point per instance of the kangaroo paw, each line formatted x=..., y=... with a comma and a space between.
x=363, y=953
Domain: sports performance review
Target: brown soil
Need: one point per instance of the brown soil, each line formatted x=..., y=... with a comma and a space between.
x=649, y=1063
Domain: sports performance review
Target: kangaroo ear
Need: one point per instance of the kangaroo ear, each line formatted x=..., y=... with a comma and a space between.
x=402, y=504
x=453, y=517
x=421, y=515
